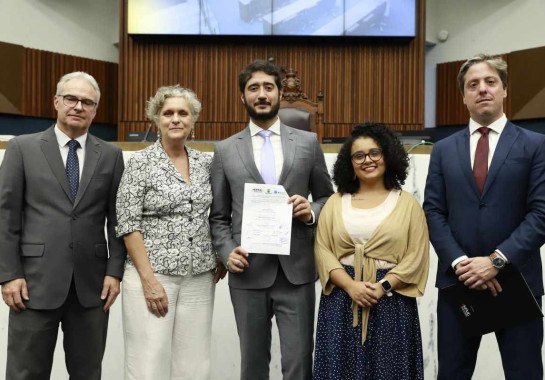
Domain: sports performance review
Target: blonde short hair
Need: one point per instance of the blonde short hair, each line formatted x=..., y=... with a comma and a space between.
x=156, y=102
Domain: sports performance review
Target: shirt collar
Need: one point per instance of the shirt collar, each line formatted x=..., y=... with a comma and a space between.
x=275, y=128
x=63, y=139
x=496, y=126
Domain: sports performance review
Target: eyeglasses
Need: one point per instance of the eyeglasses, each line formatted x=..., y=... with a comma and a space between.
x=360, y=157
x=71, y=101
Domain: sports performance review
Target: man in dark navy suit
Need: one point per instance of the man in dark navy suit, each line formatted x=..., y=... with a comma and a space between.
x=485, y=207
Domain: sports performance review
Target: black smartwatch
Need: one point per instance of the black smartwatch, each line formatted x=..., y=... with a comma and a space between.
x=498, y=262
x=386, y=287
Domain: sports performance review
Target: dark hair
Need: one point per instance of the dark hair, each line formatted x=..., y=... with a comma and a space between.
x=494, y=61
x=394, y=155
x=267, y=67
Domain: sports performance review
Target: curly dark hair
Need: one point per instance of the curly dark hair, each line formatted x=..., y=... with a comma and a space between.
x=267, y=67
x=394, y=155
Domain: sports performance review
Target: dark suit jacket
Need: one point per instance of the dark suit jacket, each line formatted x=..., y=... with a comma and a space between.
x=46, y=236
x=509, y=215
x=304, y=172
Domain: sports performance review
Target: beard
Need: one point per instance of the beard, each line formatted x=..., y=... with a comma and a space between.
x=254, y=115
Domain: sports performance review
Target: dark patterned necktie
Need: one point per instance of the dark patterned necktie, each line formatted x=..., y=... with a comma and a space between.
x=72, y=167
x=480, y=166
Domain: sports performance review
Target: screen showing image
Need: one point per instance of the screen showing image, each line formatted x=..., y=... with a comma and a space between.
x=273, y=17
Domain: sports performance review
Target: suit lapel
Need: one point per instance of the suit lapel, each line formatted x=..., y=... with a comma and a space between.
x=50, y=149
x=92, y=156
x=246, y=153
x=506, y=141
x=288, y=151
x=462, y=146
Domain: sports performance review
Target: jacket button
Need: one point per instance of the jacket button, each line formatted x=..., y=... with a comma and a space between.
x=71, y=245
x=482, y=204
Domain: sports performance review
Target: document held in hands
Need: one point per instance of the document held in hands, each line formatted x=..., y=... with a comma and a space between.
x=266, y=219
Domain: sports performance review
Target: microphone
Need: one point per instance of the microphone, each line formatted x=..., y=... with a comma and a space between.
x=147, y=132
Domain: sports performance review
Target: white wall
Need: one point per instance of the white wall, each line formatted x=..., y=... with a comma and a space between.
x=81, y=28
x=478, y=26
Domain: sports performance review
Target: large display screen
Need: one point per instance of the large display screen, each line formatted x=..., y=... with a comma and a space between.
x=396, y=18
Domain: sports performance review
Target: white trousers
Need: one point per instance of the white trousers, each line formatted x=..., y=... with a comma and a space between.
x=173, y=347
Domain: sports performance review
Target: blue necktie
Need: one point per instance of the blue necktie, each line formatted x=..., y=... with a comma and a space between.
x=72, y=167
x=268, y=171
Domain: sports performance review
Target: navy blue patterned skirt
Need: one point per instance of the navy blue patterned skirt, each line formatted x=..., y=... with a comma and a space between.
x=393, y=349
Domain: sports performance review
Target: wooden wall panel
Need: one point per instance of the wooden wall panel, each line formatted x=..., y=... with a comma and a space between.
x=11, y=78
x=449, y=106
x=43, y=69
x=526, y=89
x=362, y=79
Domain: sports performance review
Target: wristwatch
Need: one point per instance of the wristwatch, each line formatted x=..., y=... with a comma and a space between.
x=386, y=287
x=497, y=261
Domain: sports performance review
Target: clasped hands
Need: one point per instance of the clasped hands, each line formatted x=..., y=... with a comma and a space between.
x=364, y=293
x=478, y=273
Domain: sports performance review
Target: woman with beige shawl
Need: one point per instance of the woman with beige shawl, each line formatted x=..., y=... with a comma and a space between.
x=372, y=257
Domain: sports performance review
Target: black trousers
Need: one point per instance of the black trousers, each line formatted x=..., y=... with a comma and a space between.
x=32, y=336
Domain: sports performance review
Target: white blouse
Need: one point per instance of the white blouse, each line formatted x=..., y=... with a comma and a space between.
x=360, y=223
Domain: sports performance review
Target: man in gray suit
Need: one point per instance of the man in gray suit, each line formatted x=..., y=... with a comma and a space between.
x=57, y=190
x=263, y=285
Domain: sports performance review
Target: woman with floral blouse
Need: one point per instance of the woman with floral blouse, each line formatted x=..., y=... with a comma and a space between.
x=171, y=271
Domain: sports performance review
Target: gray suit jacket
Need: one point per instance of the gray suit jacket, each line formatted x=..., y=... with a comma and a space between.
x=46, y=236
x=304, y=172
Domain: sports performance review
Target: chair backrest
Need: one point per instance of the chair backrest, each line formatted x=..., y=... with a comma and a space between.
x=296, y=110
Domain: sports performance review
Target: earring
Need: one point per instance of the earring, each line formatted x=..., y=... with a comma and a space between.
x=193, y=134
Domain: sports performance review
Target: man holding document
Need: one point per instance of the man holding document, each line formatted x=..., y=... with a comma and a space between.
x=485, y=207
x=269, y=164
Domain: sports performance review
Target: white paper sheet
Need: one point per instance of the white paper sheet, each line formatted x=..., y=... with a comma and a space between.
x=266, y=219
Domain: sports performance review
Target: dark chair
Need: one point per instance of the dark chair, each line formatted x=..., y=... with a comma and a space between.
x=296, y=110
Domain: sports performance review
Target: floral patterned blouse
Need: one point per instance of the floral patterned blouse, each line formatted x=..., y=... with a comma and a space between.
x=172, y=215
